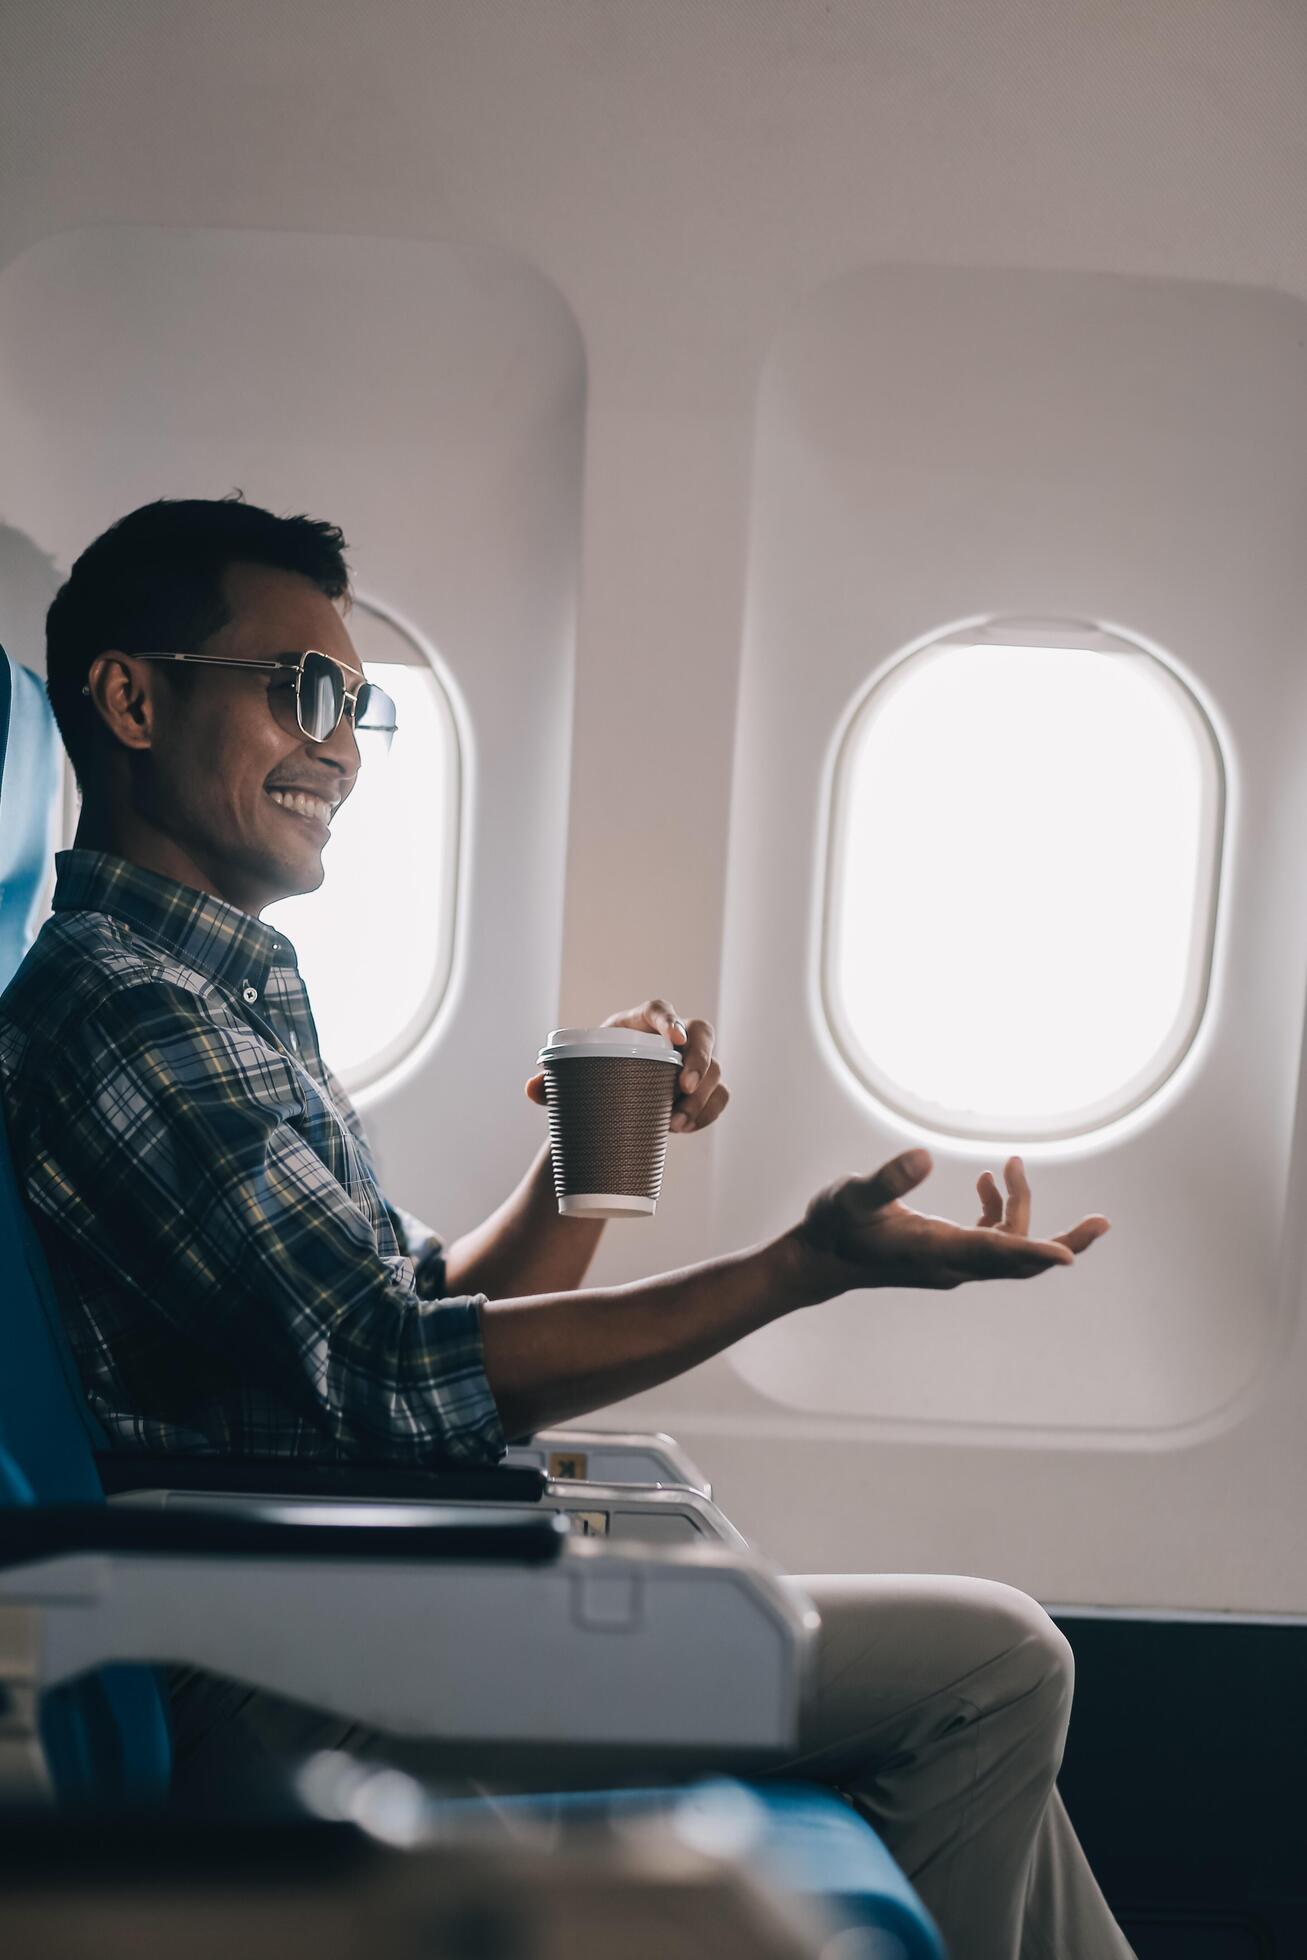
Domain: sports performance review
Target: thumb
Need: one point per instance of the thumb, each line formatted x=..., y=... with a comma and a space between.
x=895, y=1179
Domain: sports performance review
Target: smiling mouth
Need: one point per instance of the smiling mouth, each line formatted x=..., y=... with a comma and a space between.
x=298, y=803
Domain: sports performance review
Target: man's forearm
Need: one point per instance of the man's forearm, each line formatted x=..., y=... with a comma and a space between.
x=524, y=1247
x=562, y=1355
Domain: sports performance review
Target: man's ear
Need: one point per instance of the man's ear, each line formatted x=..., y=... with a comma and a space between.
x=120, y=694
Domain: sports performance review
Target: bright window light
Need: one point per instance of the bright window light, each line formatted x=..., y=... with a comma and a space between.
x=1022, y=883
x=375, y=940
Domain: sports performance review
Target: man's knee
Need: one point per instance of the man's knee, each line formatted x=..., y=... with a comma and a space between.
x=1035, y=1658
x=979, y=1645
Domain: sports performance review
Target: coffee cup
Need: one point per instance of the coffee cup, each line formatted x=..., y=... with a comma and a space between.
x=610, y=1093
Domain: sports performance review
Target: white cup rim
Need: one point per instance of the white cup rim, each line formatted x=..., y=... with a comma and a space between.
x=626, y=1043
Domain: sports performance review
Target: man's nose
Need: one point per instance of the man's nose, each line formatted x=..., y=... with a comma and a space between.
x=341, y=747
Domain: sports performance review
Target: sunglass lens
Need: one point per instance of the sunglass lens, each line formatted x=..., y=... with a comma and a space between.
x=374, y=713
x=321, y=693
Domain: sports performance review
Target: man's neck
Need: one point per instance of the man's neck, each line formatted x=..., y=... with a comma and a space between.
x=127, y=835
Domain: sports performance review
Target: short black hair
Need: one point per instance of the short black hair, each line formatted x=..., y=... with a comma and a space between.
x=152, y=583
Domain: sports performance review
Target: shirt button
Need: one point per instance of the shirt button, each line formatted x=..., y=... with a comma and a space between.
x=249, y=994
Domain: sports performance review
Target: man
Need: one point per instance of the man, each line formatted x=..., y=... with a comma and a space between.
x=232, y=1278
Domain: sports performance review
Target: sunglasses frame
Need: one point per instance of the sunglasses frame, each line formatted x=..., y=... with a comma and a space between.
x=290, y=663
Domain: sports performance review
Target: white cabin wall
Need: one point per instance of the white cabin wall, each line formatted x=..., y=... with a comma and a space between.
x=936, y=444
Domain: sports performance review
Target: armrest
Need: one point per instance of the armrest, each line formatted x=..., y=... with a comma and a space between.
x=680, y=1654
x=609, y=1457
x=32, y=1533
x=647, y=1514
x=297, y=1477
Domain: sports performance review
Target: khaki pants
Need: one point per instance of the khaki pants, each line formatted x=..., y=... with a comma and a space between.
x=939, y=1710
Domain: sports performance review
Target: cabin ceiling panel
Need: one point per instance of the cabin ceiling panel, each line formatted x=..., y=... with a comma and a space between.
x=680, y=168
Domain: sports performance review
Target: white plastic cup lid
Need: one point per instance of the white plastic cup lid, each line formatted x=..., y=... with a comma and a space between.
x=566, y=1044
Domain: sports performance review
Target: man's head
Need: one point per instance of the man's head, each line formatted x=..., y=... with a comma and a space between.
x=178, y=764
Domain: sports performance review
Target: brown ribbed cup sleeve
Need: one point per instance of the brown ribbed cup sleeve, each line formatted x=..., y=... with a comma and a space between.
x=608, y=1117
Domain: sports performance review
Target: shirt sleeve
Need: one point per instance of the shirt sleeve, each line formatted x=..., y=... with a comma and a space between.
x=167, y=1152
x=424, y=1247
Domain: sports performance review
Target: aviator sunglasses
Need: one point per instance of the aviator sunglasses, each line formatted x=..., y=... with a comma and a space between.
x=321, y=696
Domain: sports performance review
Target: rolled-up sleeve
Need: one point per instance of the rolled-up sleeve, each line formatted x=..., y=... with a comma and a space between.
x=425, y=1248
x=167, y=1151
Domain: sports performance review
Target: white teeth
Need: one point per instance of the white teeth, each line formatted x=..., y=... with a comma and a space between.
x=302, y=803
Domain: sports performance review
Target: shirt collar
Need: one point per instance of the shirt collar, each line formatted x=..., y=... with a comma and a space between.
x=216, y=939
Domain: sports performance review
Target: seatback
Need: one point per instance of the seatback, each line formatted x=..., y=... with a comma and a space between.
x=107, y=1738
x=29, y=798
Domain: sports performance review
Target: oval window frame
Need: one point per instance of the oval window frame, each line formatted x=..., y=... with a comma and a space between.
x=1149, y=1080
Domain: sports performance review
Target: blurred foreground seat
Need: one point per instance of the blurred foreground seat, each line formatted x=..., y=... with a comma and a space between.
x=693, y=1879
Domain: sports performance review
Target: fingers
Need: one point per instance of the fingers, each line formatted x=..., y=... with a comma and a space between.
x=697, y=1061
x=893, y=1180
x=986, y=1254
x=991, y=1213
x=656, y=1016
x=695, y=1038
x=700, y=1077
x=690, y=1112
x=701, y=1110
x=661, y=1018
x=701, y=1096
x=1013, y=1217
x=1082, y=1236
x=1016, y=1216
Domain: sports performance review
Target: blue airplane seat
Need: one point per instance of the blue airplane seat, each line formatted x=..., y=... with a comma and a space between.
x=105, y=1737
x=29, y=794
x=44, y=1419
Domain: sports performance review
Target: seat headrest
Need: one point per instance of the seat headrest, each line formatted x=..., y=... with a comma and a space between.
x=29, y=801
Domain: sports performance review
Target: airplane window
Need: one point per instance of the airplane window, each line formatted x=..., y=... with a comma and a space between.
x=1024, y=844
x=375, y=942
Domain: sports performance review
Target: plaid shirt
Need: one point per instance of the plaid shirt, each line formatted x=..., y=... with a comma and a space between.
x=229, y=1273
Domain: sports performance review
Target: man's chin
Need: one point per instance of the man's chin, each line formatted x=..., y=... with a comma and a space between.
x=303, y=876
x=287, y=875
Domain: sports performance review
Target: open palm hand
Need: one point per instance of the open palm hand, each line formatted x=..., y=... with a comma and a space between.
x=857, y=1233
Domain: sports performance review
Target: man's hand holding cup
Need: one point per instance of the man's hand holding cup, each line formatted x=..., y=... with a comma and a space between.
x=613, y=1092
x=701, y=1095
